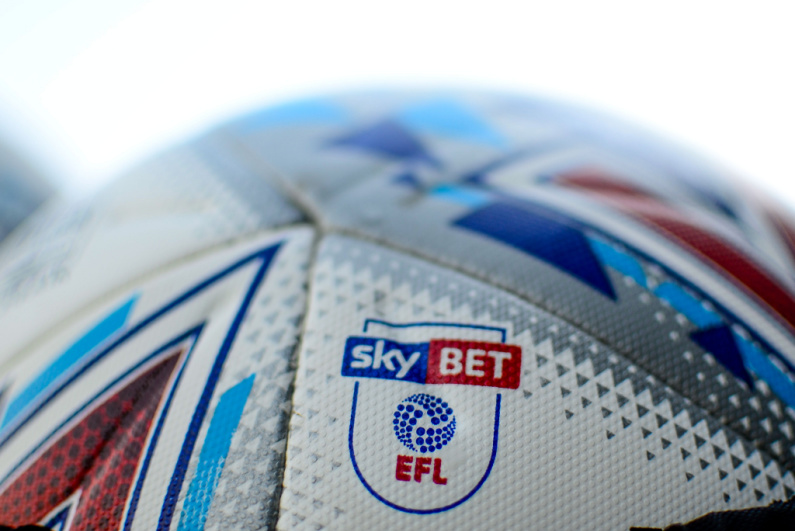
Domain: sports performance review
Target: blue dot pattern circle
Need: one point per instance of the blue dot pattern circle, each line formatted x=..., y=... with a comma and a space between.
x=424, y=423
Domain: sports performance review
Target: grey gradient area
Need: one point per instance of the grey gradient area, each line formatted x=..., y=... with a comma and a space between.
x=206, y=182
x=211, y=173
x=249, y=182
x=362, y=193
x=22, y=190
x=249, y=489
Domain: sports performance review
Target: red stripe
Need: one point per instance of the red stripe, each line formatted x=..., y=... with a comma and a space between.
x=98, y=455
x=735, y=265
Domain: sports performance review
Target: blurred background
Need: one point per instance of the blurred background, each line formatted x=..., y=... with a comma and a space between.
x=87, y=87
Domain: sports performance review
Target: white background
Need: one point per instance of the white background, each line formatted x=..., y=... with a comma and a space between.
x=89, y=86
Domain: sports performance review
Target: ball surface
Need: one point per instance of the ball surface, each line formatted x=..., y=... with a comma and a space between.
x=401, y=310
x=22, y=189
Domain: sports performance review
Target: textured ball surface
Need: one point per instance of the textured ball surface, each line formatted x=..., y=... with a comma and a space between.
x=401, y=310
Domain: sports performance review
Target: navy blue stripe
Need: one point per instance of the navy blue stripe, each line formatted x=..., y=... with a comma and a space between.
x=175, y=485
x=114, y=383
x=266, y=255
x=136, y=495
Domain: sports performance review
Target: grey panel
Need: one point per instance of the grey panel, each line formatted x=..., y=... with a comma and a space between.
x=568, y=381
x=401, y=198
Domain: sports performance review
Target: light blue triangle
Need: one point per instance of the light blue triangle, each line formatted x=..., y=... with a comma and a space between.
x=70, y=358
x=620, y=261
x=452, y=119
x=761, y=364
x=688, y=305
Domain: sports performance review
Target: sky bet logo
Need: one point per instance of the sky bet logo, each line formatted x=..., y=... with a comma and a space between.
x=439, y=361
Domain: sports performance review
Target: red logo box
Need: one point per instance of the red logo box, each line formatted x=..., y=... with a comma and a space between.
x=453, y=361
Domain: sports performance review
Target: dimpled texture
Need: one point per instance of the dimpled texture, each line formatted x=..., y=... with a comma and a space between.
x=187, y=330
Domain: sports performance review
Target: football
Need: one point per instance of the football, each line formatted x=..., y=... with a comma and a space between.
x=401, y=310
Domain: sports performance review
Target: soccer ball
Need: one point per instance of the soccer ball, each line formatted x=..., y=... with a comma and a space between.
x=401, y=310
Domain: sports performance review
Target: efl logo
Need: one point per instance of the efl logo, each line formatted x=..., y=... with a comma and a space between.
x=439, y=361
x=427, y=452
x=424, y=424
